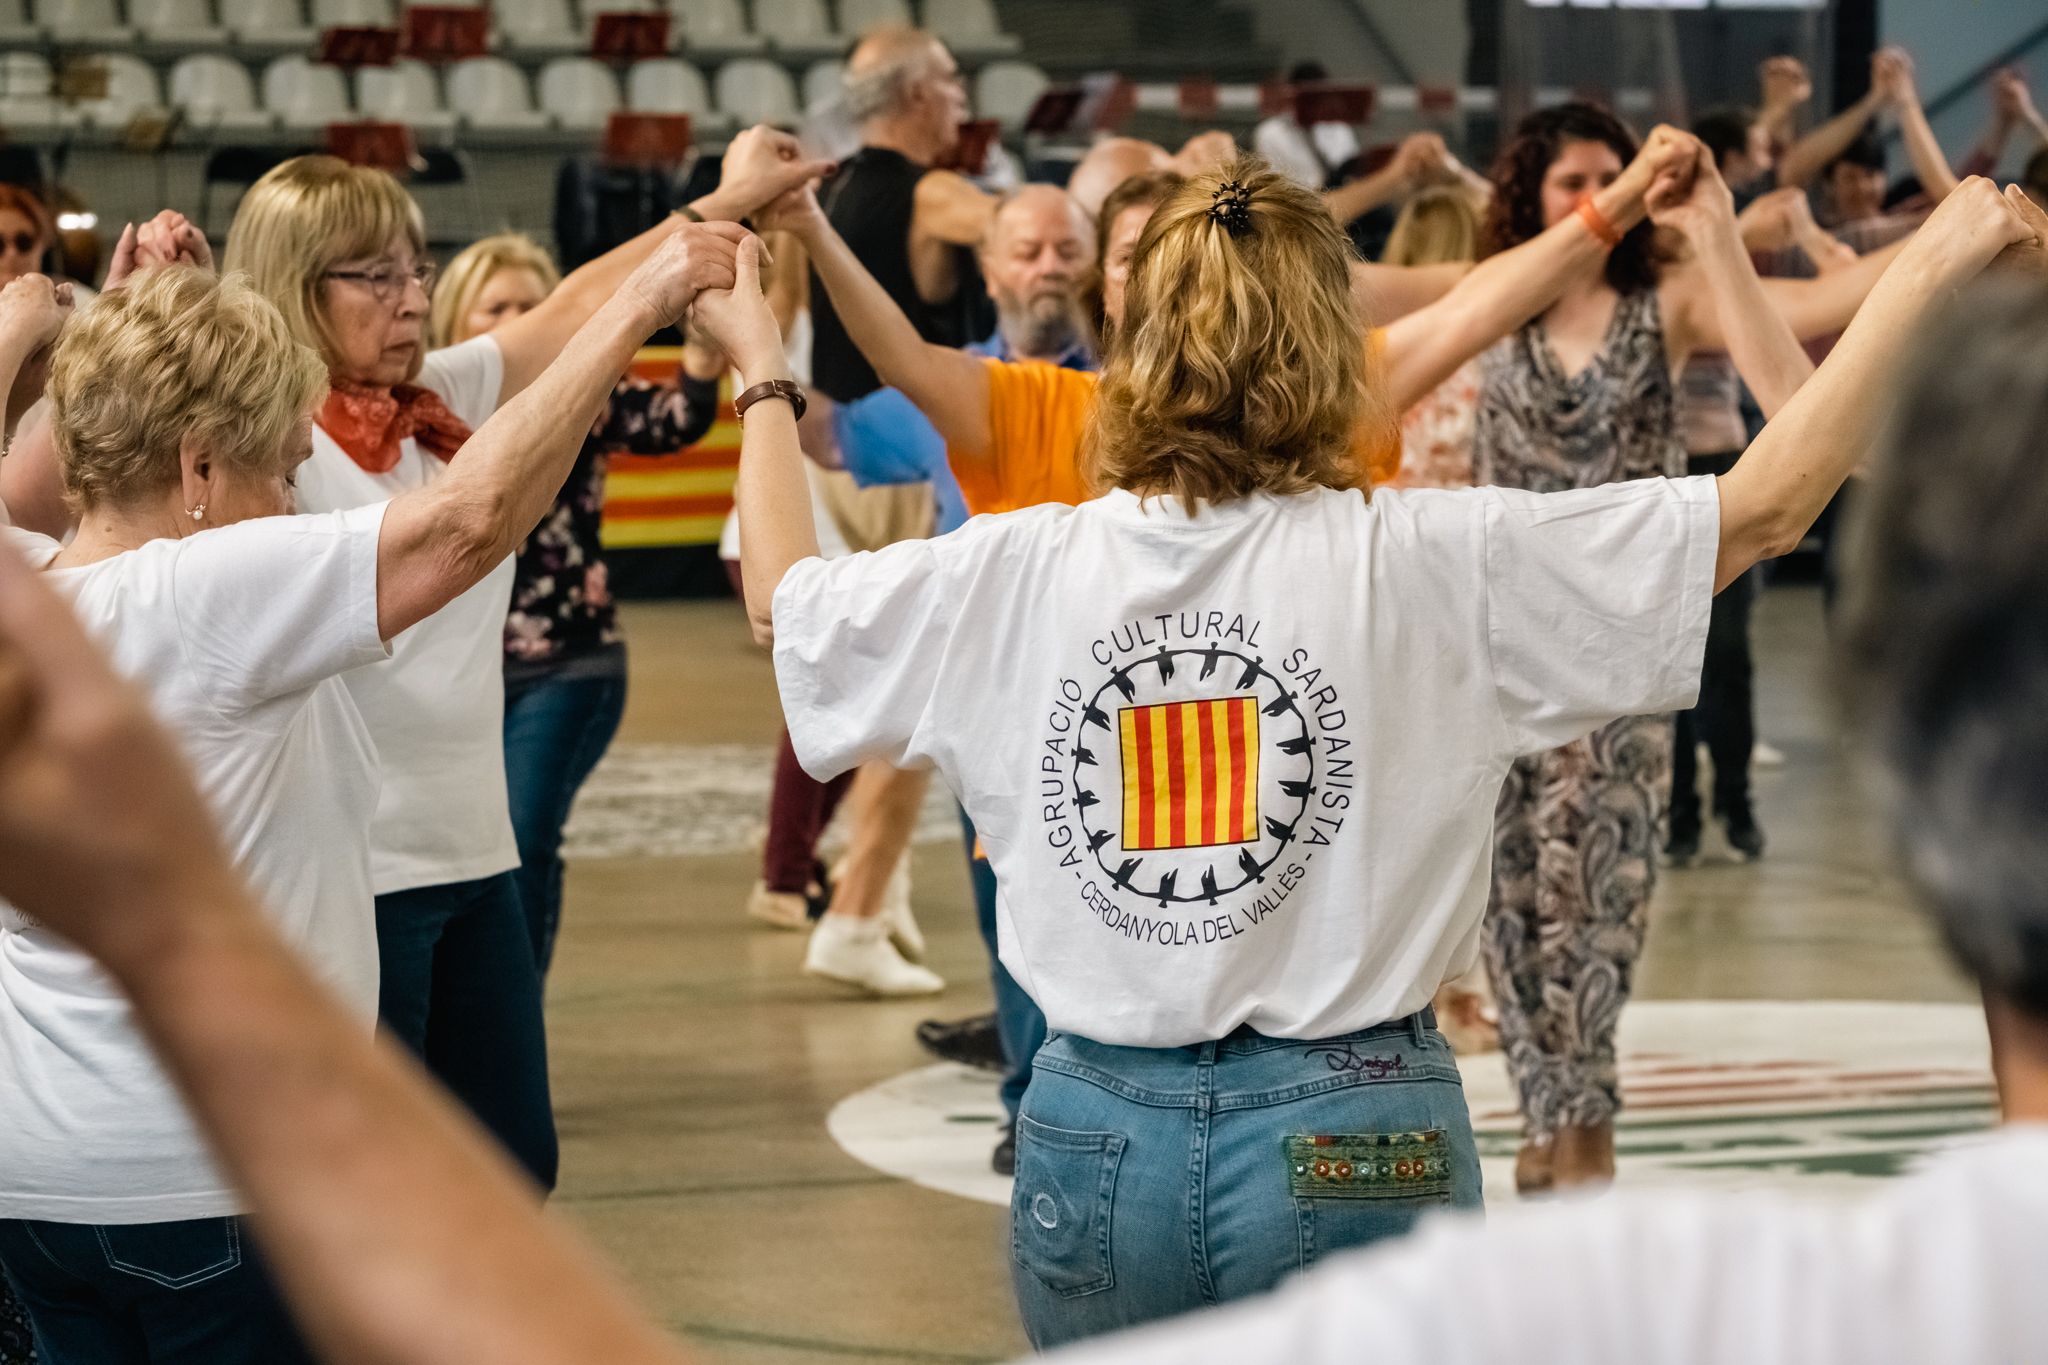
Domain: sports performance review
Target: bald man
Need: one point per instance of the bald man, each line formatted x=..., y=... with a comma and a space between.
x=913, y=227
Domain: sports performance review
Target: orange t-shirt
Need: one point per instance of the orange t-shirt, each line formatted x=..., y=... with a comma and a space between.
x=1037, y=414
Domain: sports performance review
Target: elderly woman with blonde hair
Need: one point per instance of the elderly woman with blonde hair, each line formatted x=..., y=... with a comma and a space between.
x=565, y=659
x=341, y=251
x=1229, y=884
x=182, y=409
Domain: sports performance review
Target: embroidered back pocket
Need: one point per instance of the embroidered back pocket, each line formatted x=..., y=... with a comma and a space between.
x=1352, y=1189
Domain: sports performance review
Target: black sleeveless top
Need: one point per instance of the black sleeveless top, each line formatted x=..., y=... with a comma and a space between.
x=871, y=201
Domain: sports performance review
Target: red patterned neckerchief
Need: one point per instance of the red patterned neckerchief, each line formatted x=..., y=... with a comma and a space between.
x=371, y=422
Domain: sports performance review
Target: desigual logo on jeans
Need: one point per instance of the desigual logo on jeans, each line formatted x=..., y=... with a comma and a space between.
x=1189, y=776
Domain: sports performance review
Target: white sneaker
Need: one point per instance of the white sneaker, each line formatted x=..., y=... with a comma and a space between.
x=783, y=909
x=895, y=912
x=857, y=952
x=1766, y=755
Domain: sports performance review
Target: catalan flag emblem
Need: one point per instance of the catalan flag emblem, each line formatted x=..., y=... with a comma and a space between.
x=1191, y=773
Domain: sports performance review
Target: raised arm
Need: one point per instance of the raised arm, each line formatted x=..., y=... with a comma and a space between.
x=1505, y=290
x=1420, y=158
x=950, y=387
x=339, y=1143
x=1785, y=89
x=32, y=312
x=1791, y=470
x=772, y=493
x=761, y=164
x=1718, y=302
x=951, y=209
x=1804, y=159
x=1922, y=147
x=439, y=541
x=1823, y=306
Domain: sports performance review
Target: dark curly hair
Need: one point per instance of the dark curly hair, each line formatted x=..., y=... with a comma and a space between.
x=1516, y=213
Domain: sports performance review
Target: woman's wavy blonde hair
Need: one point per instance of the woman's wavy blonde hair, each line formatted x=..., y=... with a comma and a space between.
x=1435, y=226
x=1241, y=366
x=472, y=269
x=176, y=355
x=307, y=216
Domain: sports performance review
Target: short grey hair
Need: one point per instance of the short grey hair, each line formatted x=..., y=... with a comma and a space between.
x=1944, y=649
x=884, y=89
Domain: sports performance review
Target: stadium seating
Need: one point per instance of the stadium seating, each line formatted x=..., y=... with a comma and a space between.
x=669, y=86
x=491, y=96
x=578, y=92
x=1005, y=91
x=800, y=30
x=969, y=27
x=305, y=94
x=715, y=28
x=751, y=90
x=217, y=94
x=404, y=92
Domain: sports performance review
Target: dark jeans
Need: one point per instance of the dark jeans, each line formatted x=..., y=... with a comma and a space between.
x=1726, y=714
x=558, y=723
x=461, y=990
x=187, y=1293
x=1019, y=1022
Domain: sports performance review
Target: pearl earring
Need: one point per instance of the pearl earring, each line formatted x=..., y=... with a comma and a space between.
x=199, y=512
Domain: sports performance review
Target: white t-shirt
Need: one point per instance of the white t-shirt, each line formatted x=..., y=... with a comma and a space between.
x=239, y=635
x=1943, y=1268
x=1240, y=767
x=437, y=706
x=1307, y=156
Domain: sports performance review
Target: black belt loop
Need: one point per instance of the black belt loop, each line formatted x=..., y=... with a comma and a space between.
x=1420, y=1023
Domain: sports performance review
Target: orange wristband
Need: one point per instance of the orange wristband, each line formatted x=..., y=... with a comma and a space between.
x=1596, y=221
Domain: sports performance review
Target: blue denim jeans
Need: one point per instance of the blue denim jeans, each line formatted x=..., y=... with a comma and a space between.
x=460, y=989
x=1019, y=1021
x=558, y=723
x=186, y=1293
x=1154, y=1181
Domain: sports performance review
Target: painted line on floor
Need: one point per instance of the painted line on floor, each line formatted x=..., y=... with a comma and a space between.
x=740, y=1336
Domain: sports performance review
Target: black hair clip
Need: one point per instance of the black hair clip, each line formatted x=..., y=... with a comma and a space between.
x=1232, y=207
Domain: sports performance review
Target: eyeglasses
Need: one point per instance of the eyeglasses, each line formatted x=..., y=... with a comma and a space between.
x=387, y=282
x=23, y=243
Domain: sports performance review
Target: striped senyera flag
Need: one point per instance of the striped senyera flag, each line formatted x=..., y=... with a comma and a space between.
x=1191, y=773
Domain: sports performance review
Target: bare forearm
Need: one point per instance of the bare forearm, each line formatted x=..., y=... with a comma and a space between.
x=948, y=386
x=1823, y=306
x=1500, y=294
x=1805, y=158
x=774, y=501
x=439, y=541
x=1356, y=198
x=1774, y=493
x=378, y=1206
x=1924, y=150
x=31, y=486
x=1760, y=342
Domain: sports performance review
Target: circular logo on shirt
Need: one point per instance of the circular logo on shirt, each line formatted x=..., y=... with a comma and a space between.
x=1191, y=775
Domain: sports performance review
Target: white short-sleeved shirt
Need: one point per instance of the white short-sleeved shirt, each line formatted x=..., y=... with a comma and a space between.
x=1945, y=1266
x=437, y=706
x=1240, y=767
x=240, y=636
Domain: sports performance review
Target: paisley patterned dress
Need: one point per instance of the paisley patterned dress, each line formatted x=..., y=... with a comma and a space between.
x=1576, y=830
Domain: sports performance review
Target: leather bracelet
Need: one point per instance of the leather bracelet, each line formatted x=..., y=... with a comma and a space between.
x=1596, y=221
x=771, y=388
x=685, y=211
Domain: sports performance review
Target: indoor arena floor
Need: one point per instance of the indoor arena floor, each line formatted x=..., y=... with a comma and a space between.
x=695, y=1067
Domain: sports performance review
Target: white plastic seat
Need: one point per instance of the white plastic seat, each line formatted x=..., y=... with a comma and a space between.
x=797, y=28
x=491, y=94
x=824, y=84
x=858, y=17
x=216, y=92
x=715, y=28
x=327, y=14
x=969, y=28
x=752, y=90
x=580, y=92
x=1005, y=91
x=132, y=88
x=592, y=8
x=404, y=92
x=267, y=24
x=95, y=22
x=539, y=25
x=305, y=94
x=184, y=22
x=667, y=85
x=26, y=105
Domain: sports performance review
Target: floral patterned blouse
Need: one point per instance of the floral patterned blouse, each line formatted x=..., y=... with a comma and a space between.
x=561, y=604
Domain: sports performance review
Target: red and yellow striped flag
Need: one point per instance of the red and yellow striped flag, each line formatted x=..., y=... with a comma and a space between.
x=1191, y=773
